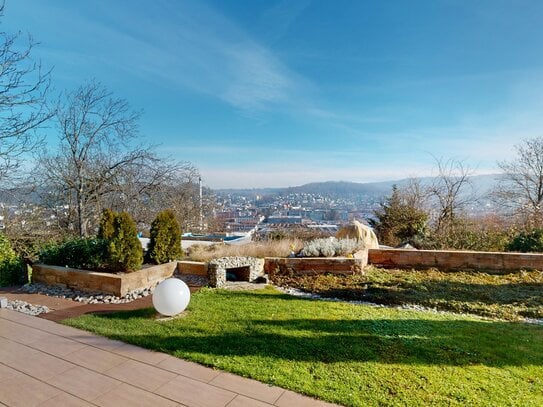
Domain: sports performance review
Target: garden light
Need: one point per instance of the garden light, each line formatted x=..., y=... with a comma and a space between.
x=171, y=297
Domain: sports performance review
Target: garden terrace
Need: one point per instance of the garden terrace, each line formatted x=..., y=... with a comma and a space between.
x=350, y=354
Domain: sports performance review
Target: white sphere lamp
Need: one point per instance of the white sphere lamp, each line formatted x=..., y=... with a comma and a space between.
x=171, y=297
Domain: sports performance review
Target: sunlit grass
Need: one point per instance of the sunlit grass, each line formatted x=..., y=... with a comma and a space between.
x=344, y=353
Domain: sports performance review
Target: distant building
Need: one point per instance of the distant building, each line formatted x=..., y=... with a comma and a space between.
x=286, y=219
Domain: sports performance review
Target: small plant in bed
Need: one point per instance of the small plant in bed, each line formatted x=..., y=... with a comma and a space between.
x=79, y=253
x=330, y=247
x=116, y=249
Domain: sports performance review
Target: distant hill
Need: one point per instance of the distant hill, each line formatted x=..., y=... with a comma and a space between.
x=250, y=191
x=341, y=188
x=482, y=184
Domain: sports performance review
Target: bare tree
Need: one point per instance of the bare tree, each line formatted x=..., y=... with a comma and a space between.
x=155, y=185
x=415, y=194
x=451, y=190
x=98, y=165
x=23, y=109
x=521, y=187
x=95, y=135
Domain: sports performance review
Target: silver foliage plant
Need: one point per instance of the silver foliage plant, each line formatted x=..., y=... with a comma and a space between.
x=330, y=247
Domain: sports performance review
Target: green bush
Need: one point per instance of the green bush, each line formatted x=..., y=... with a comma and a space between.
x=106, y=228
x=165, y=242
x=531, y=241
x=124, y=248
x=6, y=251
x=11, y=267
x=78, y=253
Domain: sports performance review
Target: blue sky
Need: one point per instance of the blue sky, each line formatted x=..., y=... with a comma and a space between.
x=277, y=93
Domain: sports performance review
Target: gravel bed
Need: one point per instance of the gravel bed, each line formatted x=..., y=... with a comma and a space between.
x=84, y=297
x=27, y=308
x=413, y=307
x=193, y=279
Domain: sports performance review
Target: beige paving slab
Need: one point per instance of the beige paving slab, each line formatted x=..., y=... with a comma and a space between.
x=66, y=400
x=127, y=395
x=141, y=375
x=194, y=393
x=188, y=369
x=242, y=401
x=140, y=354
x=289, y=399
x=64, y=330
x=32, y=362
x=44, y=325
x=7, y=373
x=99, y=342
x=24, y=319
x=26, y=391
x=84, y=383
x=247, y=387
x=95, y=359
x=21, y=333
x=57, y=345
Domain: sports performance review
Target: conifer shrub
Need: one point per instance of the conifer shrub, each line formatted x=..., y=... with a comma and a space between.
x=165, y=238
x=531, y=241
x=106, y=228
x=124, y=251
x=11, y=266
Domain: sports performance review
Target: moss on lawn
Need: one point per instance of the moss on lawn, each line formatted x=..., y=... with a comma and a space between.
x=510, y=296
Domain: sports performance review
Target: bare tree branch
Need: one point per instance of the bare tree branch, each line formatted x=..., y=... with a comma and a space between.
x=521, y=187
x=23, y=108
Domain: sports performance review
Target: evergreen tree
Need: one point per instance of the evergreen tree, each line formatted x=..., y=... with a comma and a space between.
x=106, y=228
x=124, y=249
x=165, y=243
x=398, y=221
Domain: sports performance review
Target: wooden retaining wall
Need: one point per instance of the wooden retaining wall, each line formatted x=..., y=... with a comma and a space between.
x=455, y=260
x=314, y=265
x=192, y=267
x=91, y=281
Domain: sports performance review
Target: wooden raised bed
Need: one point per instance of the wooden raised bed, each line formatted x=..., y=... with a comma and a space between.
x=92, y=281
x=316, y=265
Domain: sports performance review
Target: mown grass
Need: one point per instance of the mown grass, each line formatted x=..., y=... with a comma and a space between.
x=510, y=296
x=349, y=354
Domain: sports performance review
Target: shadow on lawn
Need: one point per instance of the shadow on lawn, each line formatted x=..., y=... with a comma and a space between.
x=410, y=341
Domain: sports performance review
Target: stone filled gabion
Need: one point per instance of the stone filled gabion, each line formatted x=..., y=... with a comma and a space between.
x=216, y=269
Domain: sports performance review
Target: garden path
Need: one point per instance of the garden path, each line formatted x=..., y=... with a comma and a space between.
x=43, y=363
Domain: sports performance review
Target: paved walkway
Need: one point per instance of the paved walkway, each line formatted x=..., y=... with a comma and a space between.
x=43, y=363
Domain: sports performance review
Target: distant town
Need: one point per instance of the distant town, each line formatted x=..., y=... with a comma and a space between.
x=267, y=211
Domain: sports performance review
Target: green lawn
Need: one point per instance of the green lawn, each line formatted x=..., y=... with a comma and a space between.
x=510, y=296
x=344, y=353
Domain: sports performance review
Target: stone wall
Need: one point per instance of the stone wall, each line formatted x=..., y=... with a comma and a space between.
x=455, y=260
x=91, y=281
x=217, y=268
